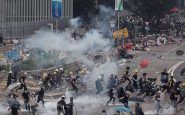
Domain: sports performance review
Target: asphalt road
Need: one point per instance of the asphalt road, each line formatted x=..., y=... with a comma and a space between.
x=160, y=57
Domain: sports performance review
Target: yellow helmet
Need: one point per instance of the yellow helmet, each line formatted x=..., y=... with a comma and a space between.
x=136, y=71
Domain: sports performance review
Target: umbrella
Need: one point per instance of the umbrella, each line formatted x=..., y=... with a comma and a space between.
x=136, y=99
x=180, y=52
x=122, y=109
x=144, y=63
x=13, y=86
x=13, y=102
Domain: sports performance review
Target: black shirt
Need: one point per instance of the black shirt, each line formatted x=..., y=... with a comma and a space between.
x=22, y=79
x=26, y=95
x=60, y=105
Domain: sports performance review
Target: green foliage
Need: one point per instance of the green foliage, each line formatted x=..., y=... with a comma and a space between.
x=83, y=8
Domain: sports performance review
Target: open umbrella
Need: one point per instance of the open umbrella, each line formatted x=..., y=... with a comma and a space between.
x=13, y=86
x=144, y=63
x=122, y=109
x=136, y=99
x=13, y=102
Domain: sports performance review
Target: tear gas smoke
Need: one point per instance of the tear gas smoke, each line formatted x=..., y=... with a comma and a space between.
x=92, y=41
x=163, y=111
x=103, y=20
x=76, y=22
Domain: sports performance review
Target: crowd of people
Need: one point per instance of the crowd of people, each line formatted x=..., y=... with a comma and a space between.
x=132, y=84
x=53, y=80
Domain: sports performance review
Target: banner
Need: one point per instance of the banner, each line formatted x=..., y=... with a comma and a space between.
x=121, y=33
x=56, y=8
x=118, y=5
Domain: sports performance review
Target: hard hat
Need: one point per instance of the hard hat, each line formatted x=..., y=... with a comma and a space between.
x=10, y=71
x=55, y=73
x=61, y=69
x=25, y=73
x=71, y=73
x=135, y=70
x=56, y=70
x=63, y=96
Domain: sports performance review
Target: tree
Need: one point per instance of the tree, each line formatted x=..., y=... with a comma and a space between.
x=83, y=8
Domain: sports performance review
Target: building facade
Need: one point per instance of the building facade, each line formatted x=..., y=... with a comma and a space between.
x=19, y=18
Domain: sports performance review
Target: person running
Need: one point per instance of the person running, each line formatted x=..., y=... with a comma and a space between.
x=164, y=80
x=138, y=110
x=22, y=81
x=173, y=99
x=171, y=83
x=33, y=104
x=15, y=108
x=9, y=80
x=157, y=102
x=111, y=95
x=127, y=75
x=135, y=80
x=142, y=83
x=26, y=97
x=61, y=106
x=40, y=96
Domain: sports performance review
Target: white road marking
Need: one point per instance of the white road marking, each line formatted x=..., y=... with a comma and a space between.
x=171, y=70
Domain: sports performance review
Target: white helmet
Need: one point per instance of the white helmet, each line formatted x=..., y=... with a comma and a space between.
x=61, y=69
x=63, y=96
x=25, y=73
x=10, y=71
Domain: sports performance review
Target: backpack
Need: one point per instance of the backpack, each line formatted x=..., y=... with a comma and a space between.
x=59, y=106
x=164, y=79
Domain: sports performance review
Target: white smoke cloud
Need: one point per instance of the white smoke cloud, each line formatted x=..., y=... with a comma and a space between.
x=76, y=22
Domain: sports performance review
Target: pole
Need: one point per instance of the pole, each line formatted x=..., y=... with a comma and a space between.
x=56, y=21
x=71, y=105
x=179, y=5
x=96, y=14
x=118, y=20
x=56, y=24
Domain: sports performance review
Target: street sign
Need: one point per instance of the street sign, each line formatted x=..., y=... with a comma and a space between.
x=121, y=33
x=11, y=55
x=125, y=33
x=56, y=8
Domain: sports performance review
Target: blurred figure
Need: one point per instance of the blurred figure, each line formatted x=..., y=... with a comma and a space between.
x=104, y=112
x=26, y=97
x=99, y=86
x=164, y=80
x=22, y=81
x=173, y=99
x=138, y=109
x=111, y=95
x=61, y=106
x=33, y=104
x=171, y=83
x=157, y=102
x=135, y=80
x=40, y=96
x=142, y=83
x=9, y=80
x=15, y=108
